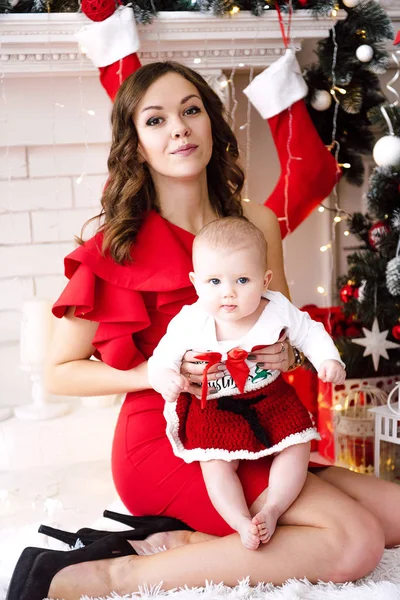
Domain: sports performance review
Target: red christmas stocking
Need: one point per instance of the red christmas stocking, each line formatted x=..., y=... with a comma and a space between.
x=277, y=93
x=111, y=42
x=311, y=178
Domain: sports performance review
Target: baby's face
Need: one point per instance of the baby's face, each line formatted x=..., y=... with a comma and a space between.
x=229, y=282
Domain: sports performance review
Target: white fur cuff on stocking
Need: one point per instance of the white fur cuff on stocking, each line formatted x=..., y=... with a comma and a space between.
x=277, y=87
x=108, y=41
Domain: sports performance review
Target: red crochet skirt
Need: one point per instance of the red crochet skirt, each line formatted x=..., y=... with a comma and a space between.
x=246, y=426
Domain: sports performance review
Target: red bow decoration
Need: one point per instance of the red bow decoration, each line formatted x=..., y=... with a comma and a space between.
x=235, y=364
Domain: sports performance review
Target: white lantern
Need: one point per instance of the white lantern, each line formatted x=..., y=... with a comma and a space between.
x=321, y=100
x=386, y=151
x=364, y=53
x=351, y=3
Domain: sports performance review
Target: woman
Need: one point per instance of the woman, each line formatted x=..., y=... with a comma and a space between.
x=174, y=154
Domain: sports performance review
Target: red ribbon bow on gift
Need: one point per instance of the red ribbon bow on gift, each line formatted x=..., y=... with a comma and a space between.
x=235, y=364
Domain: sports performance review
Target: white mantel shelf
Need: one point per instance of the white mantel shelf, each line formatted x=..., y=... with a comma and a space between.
x=37, y=43
x=31, y=44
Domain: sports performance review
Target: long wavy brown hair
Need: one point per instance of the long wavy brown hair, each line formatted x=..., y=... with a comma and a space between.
x=129, y=193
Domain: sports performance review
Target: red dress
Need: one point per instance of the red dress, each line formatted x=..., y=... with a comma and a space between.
x=133, y=305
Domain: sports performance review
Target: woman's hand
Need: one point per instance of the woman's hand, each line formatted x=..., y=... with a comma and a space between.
x=192, y=369
x=277, y=356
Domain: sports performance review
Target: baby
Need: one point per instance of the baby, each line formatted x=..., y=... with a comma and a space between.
x=252, y=412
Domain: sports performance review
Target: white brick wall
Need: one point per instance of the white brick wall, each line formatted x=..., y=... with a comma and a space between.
x=88, y=191
x=67, y=160
x=59, y=225
x=32, y=259
x=14, y=291
x=15, y=228
x=13, y=162
x=35, y=194
x=53, y=167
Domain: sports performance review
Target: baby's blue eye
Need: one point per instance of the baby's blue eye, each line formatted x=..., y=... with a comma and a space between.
x=243, y=280
x=214, y=281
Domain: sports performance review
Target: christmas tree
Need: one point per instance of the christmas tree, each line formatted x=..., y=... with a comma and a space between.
x=344, y=86
x=371, y=289
x=346, y=103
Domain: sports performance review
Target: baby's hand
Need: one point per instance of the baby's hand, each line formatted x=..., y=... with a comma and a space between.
x=331, y=371
x=174, y=385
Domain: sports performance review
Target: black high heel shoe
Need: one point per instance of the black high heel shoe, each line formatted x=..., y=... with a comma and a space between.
x=143, y=528
x=37, y=567
x=156, y=523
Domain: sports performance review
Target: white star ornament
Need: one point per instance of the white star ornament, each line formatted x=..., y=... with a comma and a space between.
x=375, y=343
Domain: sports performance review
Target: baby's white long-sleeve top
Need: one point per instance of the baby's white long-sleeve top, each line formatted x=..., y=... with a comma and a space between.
x=193, y=328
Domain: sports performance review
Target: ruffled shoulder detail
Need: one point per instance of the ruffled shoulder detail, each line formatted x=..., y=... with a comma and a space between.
x=112, y=294
x=119, y=311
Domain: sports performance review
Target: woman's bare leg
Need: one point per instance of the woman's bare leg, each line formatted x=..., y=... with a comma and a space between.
x=169, y=539
x=381, y=498
x=226, y=493
x=326, y=536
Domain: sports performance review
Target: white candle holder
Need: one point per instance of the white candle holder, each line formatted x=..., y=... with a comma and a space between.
x=41, y=408
x=36, y=332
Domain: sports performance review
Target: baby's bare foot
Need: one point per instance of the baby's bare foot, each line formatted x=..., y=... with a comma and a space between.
x=248, y=532
x=265, y=521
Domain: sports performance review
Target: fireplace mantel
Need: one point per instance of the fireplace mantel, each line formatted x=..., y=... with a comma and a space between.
x=31, y=44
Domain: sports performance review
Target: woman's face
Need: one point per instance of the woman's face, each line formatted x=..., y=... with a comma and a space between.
x=174, y=129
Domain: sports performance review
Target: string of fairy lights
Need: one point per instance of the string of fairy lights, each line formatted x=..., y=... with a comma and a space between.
x=333, y=12
x=330, y=245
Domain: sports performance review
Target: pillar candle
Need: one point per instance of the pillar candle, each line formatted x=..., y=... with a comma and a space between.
x=36, y=331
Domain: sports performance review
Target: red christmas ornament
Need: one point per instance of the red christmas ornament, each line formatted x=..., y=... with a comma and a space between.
x=396, y=331
x=98, y=10
x=352, y=331
x=348, y=292
x=376, y=233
